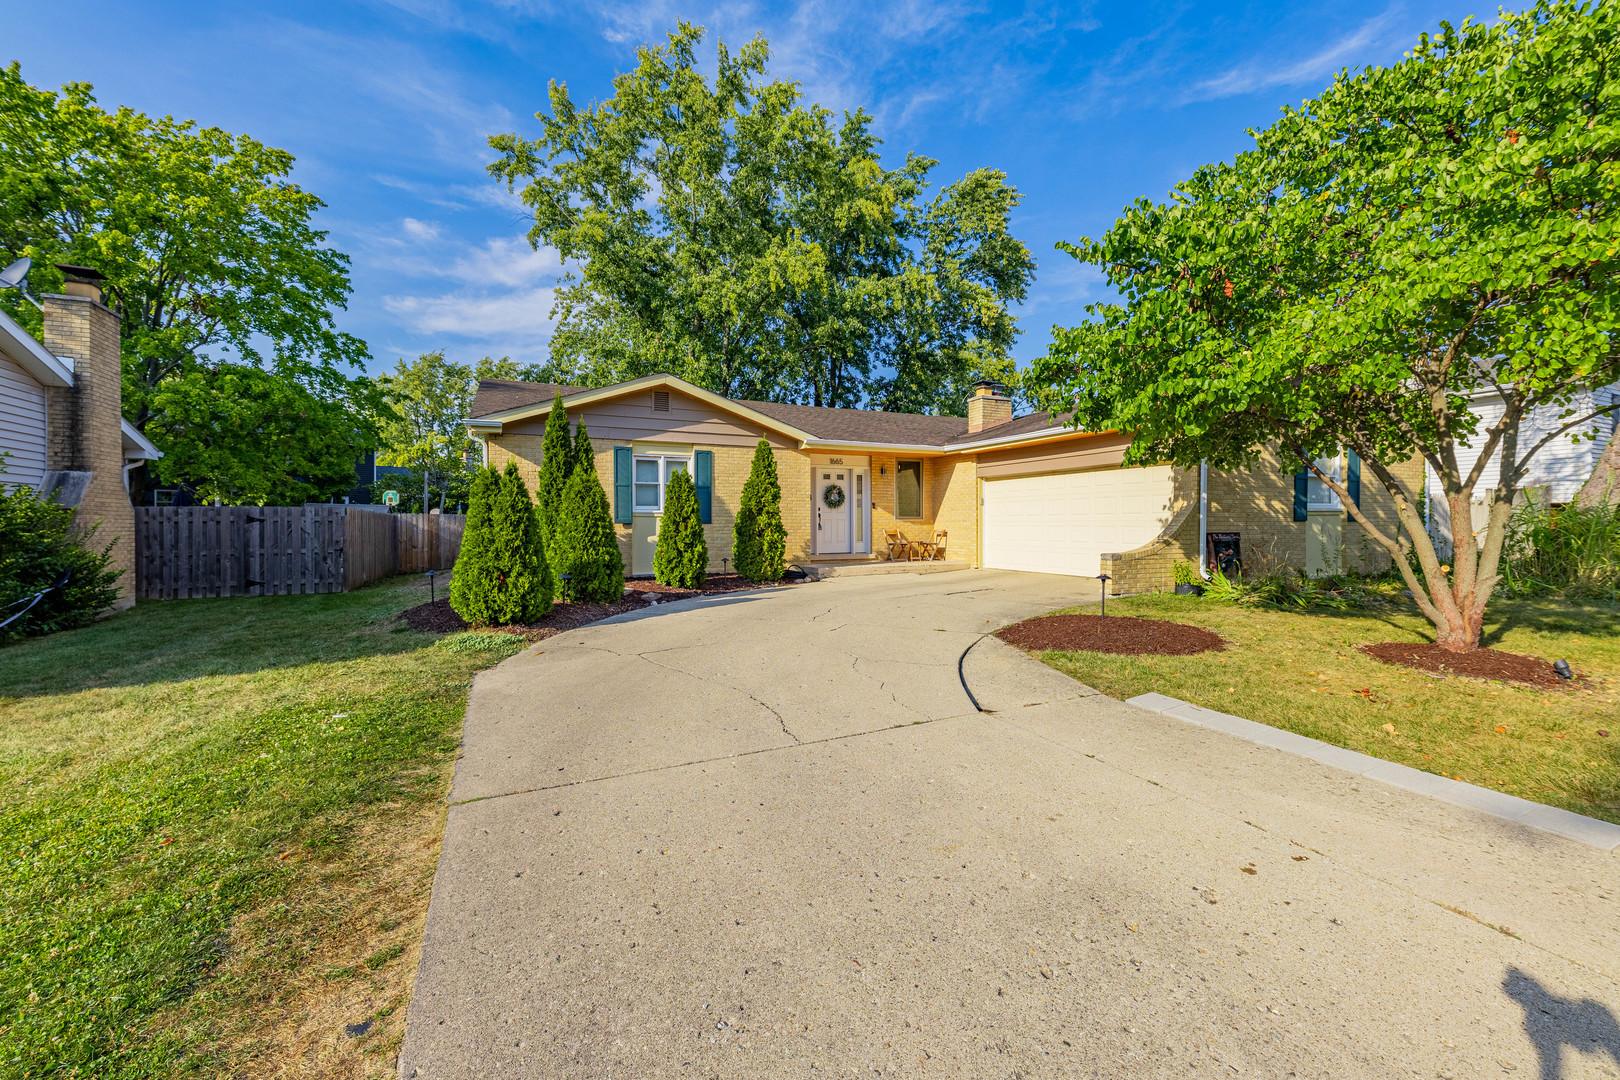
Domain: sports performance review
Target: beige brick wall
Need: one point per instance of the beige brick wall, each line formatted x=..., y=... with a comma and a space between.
x=955, y=505
x=83, y=431
x=1258, y=504
x=731, y=468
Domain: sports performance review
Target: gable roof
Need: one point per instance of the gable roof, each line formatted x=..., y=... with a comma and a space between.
x=499, y=395
x=500, y=401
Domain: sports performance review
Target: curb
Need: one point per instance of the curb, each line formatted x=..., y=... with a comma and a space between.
x=1577, y=827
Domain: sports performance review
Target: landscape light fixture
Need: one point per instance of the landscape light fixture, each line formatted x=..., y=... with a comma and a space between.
x=433, y=594
x=1104, y=579
x=15, y=276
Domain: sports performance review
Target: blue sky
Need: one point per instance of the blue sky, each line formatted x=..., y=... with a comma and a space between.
x=387, y=105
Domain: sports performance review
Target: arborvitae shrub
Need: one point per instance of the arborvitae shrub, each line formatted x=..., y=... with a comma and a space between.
x=584, y=452
x=518, y=554
x=683, y=556
x=556, y=465
x=476, y=580
x=587, y=549
x=759, y=539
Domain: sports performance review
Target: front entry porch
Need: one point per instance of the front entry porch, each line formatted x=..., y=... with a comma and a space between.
x=823, y=568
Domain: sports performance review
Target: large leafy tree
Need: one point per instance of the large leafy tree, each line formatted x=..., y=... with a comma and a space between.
x=423, y=425
x=1415, y=234
x=726, y=232
x=209, y=250
x=243, y=436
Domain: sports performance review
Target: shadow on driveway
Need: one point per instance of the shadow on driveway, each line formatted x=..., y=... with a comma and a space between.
x=1554, y=1022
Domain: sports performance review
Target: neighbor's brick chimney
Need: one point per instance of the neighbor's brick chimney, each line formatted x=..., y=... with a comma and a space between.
x=83, y=424
x=988, y=405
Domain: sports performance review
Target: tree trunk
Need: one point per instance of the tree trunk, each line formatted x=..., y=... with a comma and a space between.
x=1604, y=484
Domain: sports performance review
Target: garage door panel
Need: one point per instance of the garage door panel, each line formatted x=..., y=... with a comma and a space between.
x=1062, y=523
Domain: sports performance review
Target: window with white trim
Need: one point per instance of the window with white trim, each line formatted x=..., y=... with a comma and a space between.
x=1318, y=495
x=651, y=476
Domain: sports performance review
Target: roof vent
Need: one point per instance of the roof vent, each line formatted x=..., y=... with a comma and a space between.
x=660, y=401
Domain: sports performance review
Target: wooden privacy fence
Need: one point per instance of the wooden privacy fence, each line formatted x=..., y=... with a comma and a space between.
x=194, y=551
x=429, y=541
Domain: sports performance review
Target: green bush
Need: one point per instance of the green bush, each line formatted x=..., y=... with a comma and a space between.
x=556, y=466
x=475, y=580
x=38, y=544
x=683, y=556
x=1573, y=549
x=1292, y=589
x=501, y=574
x=587, y=548
x=759, y=540
x=584, y=452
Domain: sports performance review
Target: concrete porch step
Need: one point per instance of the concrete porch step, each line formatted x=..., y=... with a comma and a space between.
x=823, y=571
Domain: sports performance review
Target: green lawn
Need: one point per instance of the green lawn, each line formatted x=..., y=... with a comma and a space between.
x=1302, y=672
x=219, y=822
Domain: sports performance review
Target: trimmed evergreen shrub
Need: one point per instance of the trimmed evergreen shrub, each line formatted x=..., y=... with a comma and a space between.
x=584, y=452
x=556, y=465
x=683, y=556
x=38, y=543
x=519, y=553
x=587, y=548
x=759, y=539
x=475, y=580
x=509, y=578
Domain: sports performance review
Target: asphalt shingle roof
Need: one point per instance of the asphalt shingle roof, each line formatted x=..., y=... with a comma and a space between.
x=833, y=425
x=498, y=395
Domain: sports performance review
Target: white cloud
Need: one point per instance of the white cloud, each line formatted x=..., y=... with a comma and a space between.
x=420, y=230
x=478, y=316
x=1266, y=73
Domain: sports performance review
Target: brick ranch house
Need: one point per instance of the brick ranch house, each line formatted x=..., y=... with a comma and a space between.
x=1014, y=493
x=61, y=416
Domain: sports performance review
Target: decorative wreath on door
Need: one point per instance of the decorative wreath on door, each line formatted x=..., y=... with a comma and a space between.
x=833, y=496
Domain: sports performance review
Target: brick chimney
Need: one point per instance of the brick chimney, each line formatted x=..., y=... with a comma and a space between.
x=988, y=405
x=83, y=425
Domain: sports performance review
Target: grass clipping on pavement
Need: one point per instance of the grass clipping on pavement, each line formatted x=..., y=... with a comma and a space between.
x=221, y=823
x=1303, y=672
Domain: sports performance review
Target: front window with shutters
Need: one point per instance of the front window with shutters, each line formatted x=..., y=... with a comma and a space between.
x=1318, y=495
x=652, y=476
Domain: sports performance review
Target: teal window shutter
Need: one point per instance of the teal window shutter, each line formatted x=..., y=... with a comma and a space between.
x=1353, y=481
x=622, y=511
x=703, y=480
x=1302, y=492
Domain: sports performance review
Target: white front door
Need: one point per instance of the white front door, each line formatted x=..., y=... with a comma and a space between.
x=834, y=503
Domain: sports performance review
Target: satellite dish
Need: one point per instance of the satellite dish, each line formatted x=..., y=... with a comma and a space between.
x=13, y=276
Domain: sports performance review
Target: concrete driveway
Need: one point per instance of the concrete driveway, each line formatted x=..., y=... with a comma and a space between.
x=767, y=835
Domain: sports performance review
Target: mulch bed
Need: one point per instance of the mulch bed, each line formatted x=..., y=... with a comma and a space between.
x=439, y=618
x=1480, y=664
x=1123, y=635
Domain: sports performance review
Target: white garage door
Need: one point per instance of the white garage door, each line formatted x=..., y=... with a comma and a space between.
x=1061, y=523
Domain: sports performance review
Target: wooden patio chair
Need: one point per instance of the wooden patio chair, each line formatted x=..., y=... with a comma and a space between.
x=897, y=543
x=936, y=546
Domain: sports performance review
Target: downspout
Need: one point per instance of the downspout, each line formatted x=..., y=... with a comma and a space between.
x=1203, y=518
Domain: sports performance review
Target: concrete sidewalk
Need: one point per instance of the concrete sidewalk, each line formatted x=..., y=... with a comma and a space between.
x=767, y=835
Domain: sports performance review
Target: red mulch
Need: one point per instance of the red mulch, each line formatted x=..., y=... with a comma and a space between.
x=1480, y=664
x=1111, y=634
x=439, y=618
